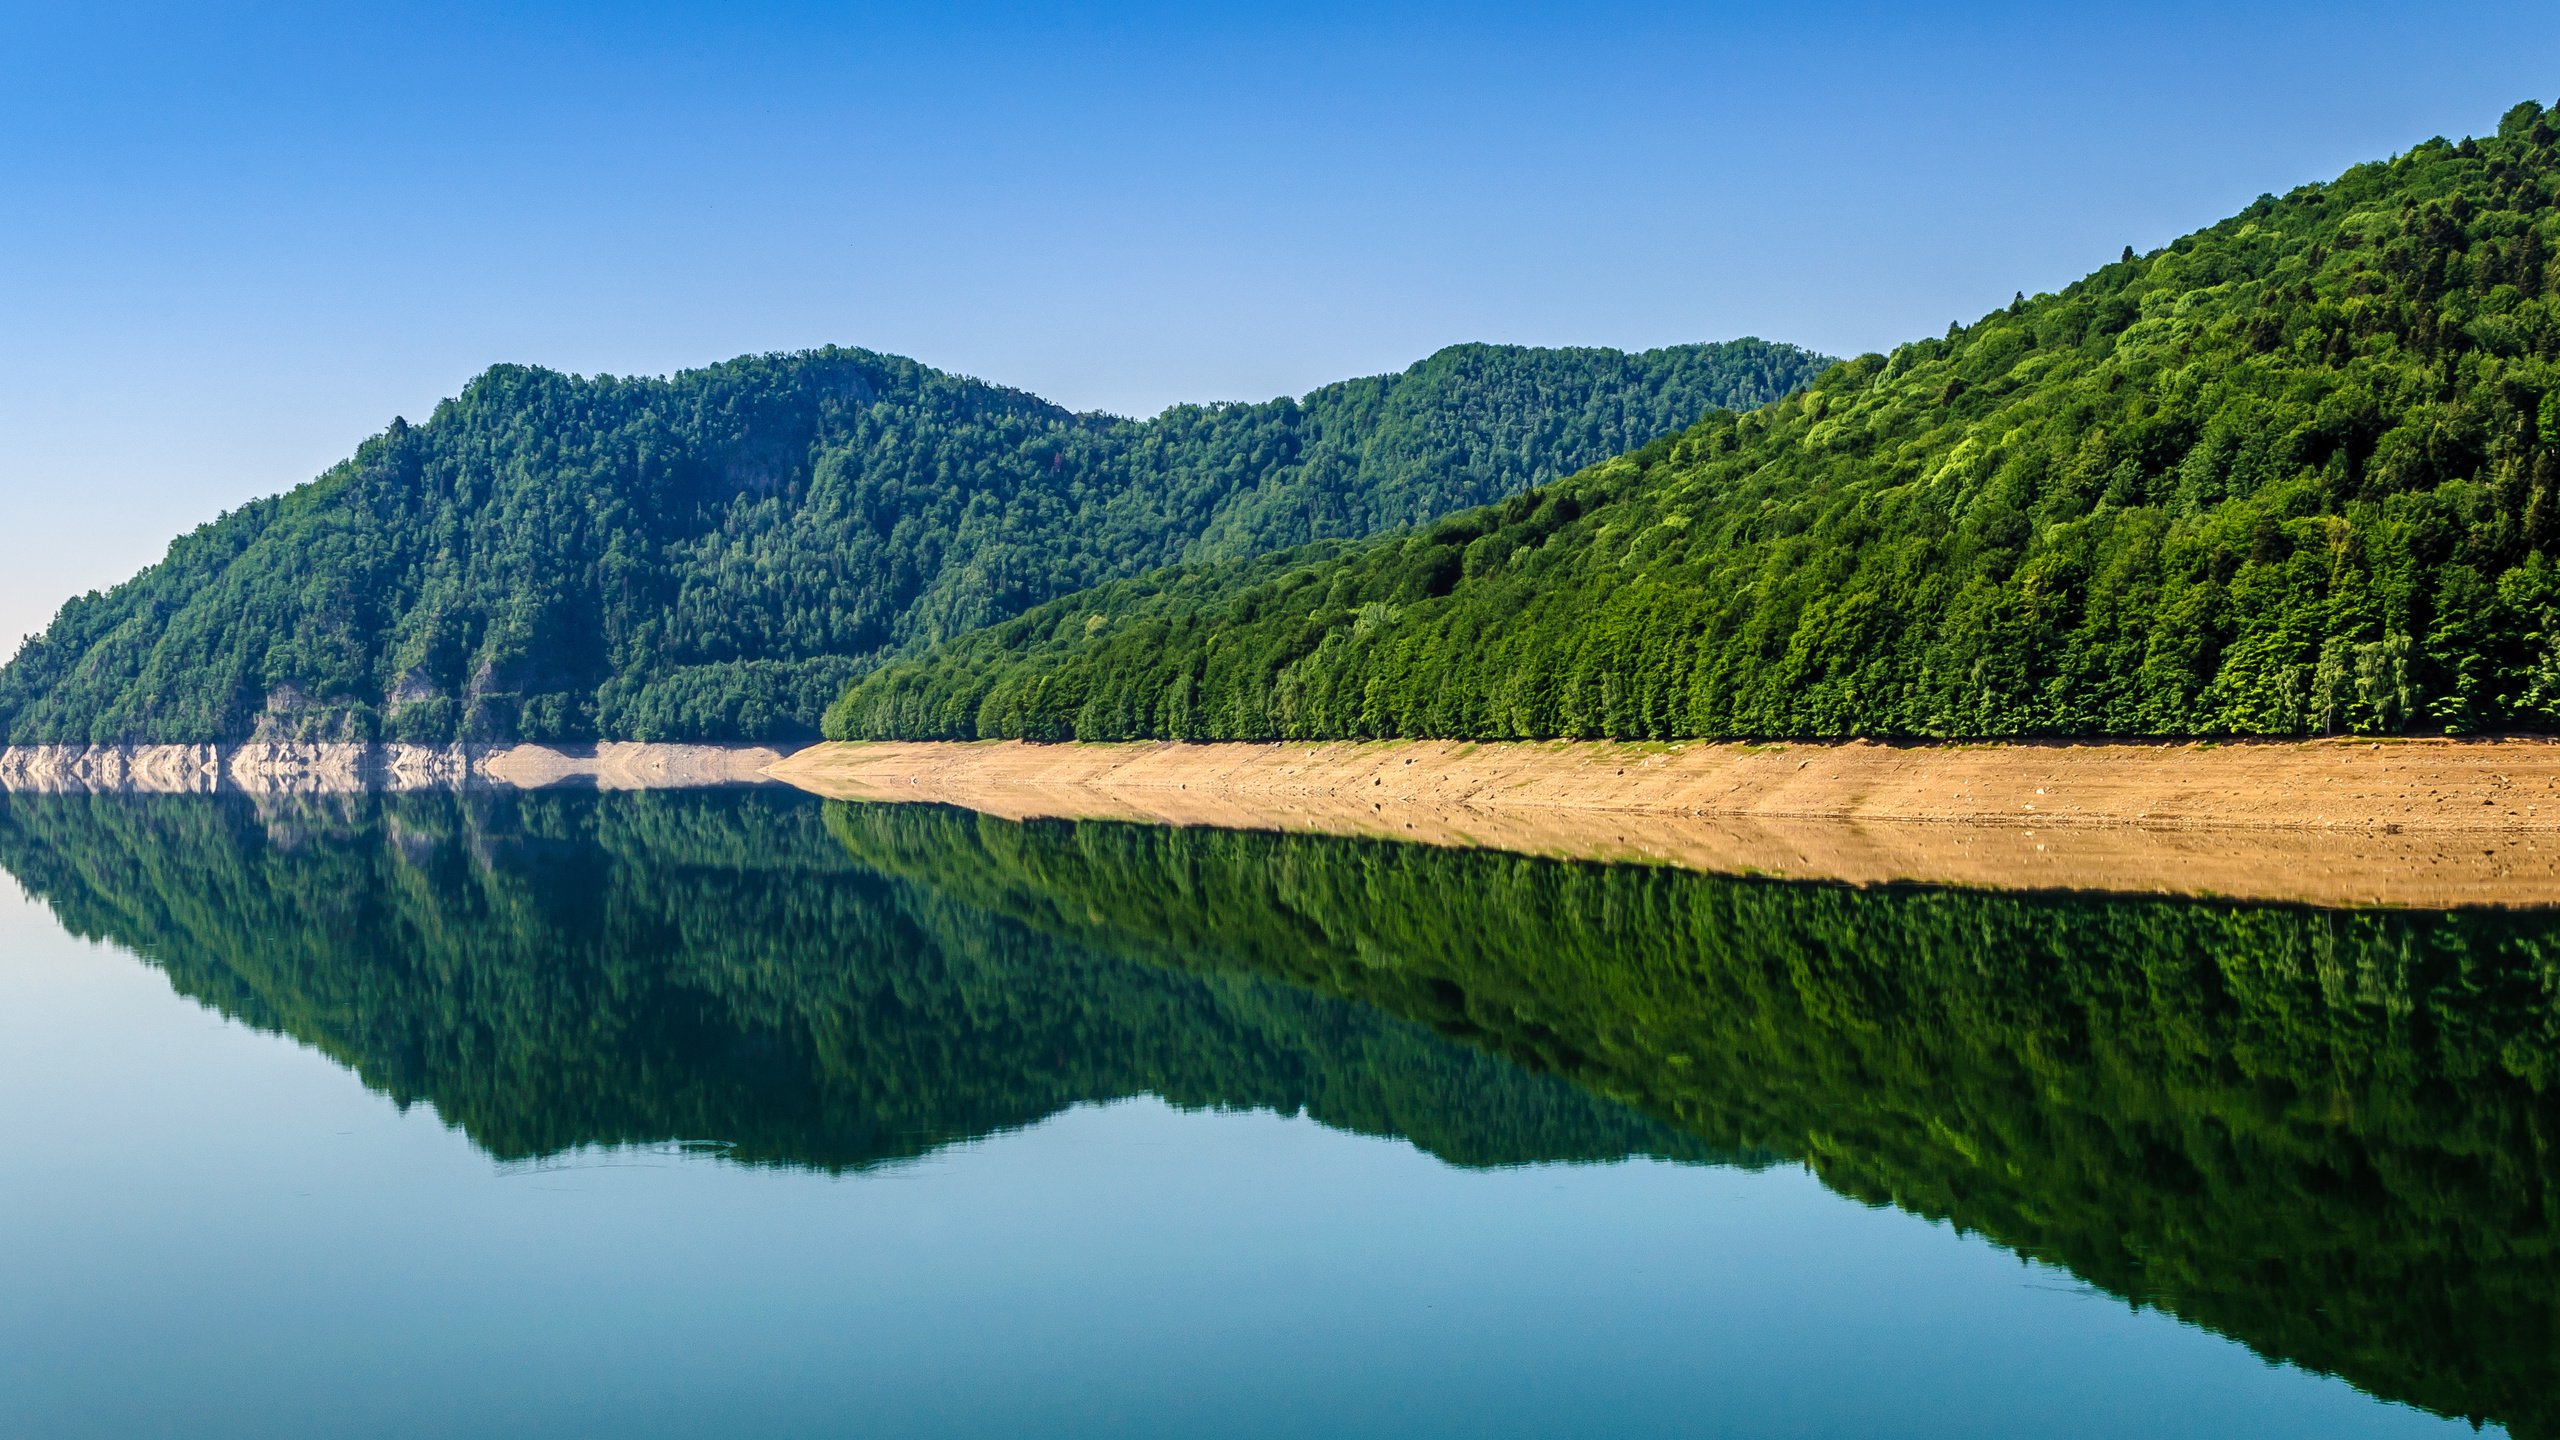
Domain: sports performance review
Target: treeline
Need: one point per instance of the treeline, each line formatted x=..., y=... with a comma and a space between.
x=715, y=555
x=2293, y=474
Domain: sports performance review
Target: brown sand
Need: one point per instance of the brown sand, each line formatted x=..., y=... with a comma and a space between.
x=2404, y=823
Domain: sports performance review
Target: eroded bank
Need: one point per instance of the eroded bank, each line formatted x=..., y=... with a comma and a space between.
x=2426, y=823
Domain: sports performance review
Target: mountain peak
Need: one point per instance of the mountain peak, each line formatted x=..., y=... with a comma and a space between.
x=713, y=554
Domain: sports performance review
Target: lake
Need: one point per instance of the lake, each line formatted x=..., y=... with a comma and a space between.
x=742, y=1112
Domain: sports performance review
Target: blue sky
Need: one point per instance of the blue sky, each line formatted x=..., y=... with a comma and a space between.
x=236, y=240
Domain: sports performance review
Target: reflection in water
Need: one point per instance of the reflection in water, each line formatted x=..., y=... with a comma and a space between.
x=2325, y=1134
x=557, y=970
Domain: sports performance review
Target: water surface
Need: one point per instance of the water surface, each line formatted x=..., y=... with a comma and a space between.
x=684, y=1113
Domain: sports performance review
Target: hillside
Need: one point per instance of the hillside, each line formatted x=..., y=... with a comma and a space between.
x=2291, y=474
x=714, y=555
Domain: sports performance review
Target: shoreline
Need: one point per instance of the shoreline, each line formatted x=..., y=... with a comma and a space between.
x=277, y=768
x=2424, y=823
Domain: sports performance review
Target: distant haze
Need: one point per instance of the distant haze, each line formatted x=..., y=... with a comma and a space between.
x=232, y=246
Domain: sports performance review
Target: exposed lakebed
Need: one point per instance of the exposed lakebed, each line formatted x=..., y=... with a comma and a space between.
x=2403, y=823
x=742, y=1108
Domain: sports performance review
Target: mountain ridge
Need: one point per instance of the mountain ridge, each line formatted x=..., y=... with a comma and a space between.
x=2295, y=473
x=712, y=555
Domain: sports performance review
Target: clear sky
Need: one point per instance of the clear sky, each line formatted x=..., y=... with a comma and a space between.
x=236, y=240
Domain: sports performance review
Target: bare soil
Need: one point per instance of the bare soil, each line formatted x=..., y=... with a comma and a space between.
x=2427, y=823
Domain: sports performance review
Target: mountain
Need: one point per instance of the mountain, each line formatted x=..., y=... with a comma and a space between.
x=2291, y=474
x=714, y=555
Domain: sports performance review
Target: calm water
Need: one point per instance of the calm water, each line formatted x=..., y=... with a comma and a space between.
x=736, y=1113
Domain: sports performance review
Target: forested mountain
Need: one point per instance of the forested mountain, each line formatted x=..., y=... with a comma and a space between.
x=2291, y=474
x=715, y=554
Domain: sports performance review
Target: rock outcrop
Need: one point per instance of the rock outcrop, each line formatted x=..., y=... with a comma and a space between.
x=305, y=768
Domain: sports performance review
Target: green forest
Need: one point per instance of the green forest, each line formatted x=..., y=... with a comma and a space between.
x=714, y=555
x=2292, y=474
x=2321, y=1133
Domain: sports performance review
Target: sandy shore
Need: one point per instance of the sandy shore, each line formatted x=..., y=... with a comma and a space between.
x=2403, y=822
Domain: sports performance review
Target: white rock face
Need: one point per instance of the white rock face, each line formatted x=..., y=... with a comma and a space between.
x=276, y=768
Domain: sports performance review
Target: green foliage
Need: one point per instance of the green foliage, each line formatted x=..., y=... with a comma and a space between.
x=2324, y=1134
x=716, y=555
x=2298, y=473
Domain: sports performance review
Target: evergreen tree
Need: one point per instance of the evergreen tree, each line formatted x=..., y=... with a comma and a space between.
x=714, y=555
x=2292, y=475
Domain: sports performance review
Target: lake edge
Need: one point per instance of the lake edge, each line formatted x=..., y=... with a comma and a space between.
x=296, y=768
x=2398, y=823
